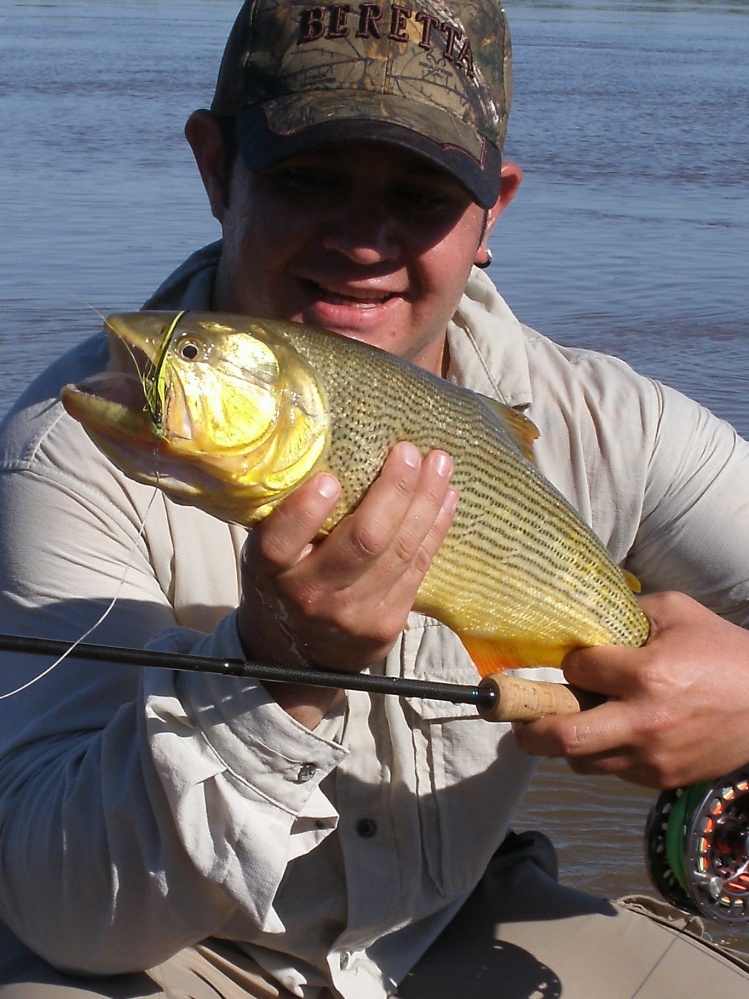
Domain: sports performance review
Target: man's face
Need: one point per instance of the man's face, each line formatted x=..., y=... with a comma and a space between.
x=362, y=239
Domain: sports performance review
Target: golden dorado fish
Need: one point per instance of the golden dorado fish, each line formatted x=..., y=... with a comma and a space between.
x=231, y=414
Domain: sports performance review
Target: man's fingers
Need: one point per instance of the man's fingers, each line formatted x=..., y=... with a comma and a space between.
x=603, y=670
x=346, y=599
x=666, y=722
x=424, y=522
x=586, y=733
x=285, y=535
x=387, y=534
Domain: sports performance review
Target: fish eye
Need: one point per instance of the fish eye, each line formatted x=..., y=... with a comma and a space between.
x=189, y=350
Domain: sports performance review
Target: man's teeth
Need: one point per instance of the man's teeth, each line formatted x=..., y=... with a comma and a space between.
x=364, y=299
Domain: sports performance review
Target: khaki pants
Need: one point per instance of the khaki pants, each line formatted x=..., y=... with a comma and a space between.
x=521, y=935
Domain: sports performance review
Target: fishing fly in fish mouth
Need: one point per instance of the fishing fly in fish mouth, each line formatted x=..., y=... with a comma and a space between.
x=154, y=383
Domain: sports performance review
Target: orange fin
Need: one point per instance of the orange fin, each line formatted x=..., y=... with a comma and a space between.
x=493, y=657
x=522, y=430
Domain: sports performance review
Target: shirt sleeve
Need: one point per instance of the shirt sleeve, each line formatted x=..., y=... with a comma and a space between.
x=140, y=810
x=693, y=534
x=662, y=481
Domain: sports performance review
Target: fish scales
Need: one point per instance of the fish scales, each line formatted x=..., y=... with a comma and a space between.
x=519, y=577
x=492, y=512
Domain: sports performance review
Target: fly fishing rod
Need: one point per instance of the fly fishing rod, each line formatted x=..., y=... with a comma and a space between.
x=496, y=697
x=696, y=837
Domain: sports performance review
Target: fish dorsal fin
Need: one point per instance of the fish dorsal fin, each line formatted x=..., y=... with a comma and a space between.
x=632, y=581
x=522, y=430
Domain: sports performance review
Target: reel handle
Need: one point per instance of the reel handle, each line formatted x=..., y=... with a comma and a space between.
x=526, y=700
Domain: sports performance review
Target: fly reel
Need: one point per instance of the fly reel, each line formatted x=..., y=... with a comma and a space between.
x=697, y=847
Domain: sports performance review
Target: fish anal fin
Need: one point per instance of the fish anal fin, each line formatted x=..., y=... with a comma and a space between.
x=490, y=656
x=522, y=430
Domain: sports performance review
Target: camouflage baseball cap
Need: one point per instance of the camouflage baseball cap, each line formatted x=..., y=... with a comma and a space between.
x=433, y=77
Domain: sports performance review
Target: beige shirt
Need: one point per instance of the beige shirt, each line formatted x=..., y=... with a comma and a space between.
x=146, y=810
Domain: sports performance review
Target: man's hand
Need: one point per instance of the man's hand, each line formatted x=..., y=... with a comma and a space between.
x=678, y=708
x=342, y=603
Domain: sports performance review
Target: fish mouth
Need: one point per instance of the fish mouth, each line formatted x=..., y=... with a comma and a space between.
x=115, y=400
x=110, y=402
x=113, y=407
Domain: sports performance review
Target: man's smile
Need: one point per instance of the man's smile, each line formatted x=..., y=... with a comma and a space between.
x=360, y=298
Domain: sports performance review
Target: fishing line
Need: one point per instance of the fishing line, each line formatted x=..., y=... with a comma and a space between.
x=87, y=305
x=104, y=615
x=107, y=611
x=155, y=403
x=676, y=828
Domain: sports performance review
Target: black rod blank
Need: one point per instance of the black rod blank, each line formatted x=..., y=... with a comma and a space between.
x=481, y=697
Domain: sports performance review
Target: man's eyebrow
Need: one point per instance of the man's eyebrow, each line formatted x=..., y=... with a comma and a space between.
x=414, y=164
x=424, y=169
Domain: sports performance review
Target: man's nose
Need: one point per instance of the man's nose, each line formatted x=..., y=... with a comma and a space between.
x=363, y=231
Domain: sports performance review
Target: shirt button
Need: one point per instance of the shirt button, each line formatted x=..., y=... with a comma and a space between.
x=306, y=772
x=344, y=960
x=366, y=828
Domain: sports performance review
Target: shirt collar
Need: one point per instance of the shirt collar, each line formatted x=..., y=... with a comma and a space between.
x=191, y=285
x=487, y=345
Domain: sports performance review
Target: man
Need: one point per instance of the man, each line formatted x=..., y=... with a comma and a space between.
x=200, y=835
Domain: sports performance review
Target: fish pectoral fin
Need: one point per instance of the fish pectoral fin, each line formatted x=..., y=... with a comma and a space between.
x=522, y=430
x=492, y=656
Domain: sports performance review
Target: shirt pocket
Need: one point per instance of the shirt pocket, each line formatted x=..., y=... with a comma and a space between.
x=469, y=773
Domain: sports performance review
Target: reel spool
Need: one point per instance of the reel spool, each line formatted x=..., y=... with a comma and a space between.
x=697, y=847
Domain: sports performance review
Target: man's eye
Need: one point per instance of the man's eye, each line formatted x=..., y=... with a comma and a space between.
x=420, y=201
x=426, y=199
x=307, y=180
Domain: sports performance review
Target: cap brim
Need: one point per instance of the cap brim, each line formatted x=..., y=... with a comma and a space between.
x=277, y=130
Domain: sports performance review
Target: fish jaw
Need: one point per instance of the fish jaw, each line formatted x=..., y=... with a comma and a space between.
x=111, y=408
x=113, y=404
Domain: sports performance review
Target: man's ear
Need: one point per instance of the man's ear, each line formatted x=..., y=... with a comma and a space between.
x=510, y=180
x=203, y=132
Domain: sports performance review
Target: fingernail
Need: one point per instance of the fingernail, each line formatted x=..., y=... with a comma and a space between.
x=443, y=465
x=327, y=486
x=410, y=454
x=451, y=500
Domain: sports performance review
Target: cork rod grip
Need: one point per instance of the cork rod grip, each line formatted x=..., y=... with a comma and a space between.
x=526, y=700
